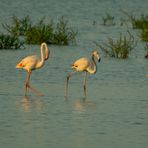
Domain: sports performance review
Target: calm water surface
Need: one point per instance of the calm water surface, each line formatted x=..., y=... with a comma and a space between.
x=115, y=112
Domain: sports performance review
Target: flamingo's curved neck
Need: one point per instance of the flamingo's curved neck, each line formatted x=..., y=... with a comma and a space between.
x=46, y=55
x=94, y=62
x=42, y=54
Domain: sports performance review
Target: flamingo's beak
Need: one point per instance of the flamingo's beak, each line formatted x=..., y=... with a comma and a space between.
x=99, y=59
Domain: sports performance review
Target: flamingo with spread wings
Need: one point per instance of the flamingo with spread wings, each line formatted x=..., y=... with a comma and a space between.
x=34, y=62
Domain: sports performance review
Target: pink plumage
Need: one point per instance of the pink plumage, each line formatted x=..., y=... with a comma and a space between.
x=33, y=62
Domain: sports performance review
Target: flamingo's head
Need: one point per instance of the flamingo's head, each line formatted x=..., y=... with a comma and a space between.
x=97, y=55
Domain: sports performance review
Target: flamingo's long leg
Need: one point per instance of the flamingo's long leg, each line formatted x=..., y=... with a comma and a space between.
x=27, y=83
x=31, y=88
x=68, y=77
x=84, y=85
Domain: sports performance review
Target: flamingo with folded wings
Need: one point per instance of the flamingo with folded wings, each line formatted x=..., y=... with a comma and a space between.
x=33, y=62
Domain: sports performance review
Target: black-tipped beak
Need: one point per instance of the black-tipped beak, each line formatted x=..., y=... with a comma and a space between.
x=99, y=60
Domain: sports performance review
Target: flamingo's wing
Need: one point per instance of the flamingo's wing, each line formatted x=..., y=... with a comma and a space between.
x=81, y=64
x=28, y=63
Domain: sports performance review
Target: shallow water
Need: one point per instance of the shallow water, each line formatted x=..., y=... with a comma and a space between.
x=115, y=112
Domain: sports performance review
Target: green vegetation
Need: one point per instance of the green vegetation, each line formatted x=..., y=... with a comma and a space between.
x=140, y=23
x=146, y=49
x=51, y=33
x=19, y=26
x=61, y=34
x=108, y=20
x=40, y=33
x=23, y=31
x=10, y=42
x=144, y=35
x=119, y=48
x=64, y=34
x=137, y=23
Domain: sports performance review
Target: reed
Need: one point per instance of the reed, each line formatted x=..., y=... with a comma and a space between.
x=144, y=35
x=63, y=34
x=59, y=34
x=39, y=33
x=146, y=49
x=140, y=23
x=10, y=42
x=118, y=48
x=108, y=20
x=51, y=33
x=18, y=27
x=137, y=23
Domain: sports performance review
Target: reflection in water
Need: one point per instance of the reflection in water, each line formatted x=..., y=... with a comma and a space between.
x=25, y=102
x=39, y=93
x=82, y=104
x=31, y=121
x=29, y=103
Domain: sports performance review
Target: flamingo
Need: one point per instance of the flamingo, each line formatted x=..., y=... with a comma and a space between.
x=84, y=65
x=33, y=62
